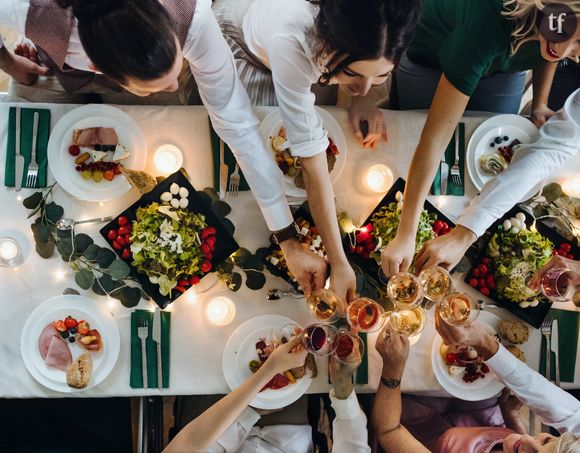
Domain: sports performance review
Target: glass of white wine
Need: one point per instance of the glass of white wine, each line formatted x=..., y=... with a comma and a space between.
x=405, y=290
x=458, y=309
x=408, y=321
x=436, y=282
x=326, y=305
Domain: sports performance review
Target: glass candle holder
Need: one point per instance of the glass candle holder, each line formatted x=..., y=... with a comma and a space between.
x=378, y=178
x=221, y=311
x=168, y=159
x=10, y=252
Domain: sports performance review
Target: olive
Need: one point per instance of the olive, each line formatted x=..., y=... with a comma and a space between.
x=71, y=339
x=492, y=145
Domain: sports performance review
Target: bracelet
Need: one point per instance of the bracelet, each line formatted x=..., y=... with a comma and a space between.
x=390, y=383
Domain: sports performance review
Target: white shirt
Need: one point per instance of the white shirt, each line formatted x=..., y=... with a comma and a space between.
x=558, y=140
x=349, y=433
x=556, y=407
x=278, y=32
x=222, y=93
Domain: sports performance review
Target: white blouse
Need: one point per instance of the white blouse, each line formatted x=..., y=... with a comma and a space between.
x=278, y=32
x=222, y=93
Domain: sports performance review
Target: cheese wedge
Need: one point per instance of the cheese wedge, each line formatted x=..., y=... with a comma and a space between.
x=120, y=153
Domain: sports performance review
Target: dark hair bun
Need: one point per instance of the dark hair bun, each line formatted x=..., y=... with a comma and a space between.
x=89, y=10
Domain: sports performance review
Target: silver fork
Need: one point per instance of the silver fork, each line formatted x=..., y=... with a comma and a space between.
x=546, y=330
x=455, y=173
x=234, y=181
x=32, y=175
x=143, y=333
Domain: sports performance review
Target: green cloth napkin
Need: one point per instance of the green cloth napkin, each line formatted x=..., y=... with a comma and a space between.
x=452, y=189
x=568, y=325
x=136, y=379
x=362, y=372
x=26, y=121
x=229, y=159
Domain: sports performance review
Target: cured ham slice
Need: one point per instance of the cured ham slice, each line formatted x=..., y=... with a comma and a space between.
x=95, y=136
x=45, y=339
x=58, y=355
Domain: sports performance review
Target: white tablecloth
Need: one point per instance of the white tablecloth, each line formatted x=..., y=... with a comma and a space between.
x=196, y=352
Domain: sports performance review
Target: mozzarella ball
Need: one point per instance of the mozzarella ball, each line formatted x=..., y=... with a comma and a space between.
x=174, y=189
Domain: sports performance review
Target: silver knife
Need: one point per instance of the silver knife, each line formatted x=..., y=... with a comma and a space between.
x=223, y=172
x=157, y=339
x=19, y=158
x=444, y=172
x=554, y=348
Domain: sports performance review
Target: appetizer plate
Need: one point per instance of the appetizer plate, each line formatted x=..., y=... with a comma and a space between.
x=78, y=307
x=240, y=350
x=62, y=163
x=514, y=126
x=272, y=124
x=482, y=388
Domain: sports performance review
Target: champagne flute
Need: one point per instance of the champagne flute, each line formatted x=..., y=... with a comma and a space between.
x=556, y=285
x=349, y=347
x=405, y=290
x=409, y=321
x=318, y=339
x=436, y=283
x=365, y=315
x=458, y=309
x=326, y=305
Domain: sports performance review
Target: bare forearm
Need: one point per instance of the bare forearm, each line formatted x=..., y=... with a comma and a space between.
x=542, y=77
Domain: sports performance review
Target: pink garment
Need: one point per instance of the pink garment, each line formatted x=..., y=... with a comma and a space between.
x=470, y=440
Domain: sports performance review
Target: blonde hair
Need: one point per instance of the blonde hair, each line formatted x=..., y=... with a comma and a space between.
x=568, y=443
x=525, y=14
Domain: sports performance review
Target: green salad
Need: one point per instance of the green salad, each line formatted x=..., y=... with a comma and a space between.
x=166, y=245
x=515, y=255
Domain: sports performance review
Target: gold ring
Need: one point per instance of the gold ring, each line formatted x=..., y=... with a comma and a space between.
x=386, y=336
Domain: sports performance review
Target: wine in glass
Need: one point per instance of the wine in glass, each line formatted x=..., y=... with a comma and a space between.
x=436, y=282
x=556, y=285
x=318, y=339
x=458, y=309
x=408, y=321
x=364, y=315
x=326, y=305
x=349, y=347
x=405, y=290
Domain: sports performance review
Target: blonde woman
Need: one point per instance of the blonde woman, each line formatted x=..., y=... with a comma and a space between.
x=470, y=55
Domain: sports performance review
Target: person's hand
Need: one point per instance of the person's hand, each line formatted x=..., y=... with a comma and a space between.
x=557, y=262
x=394, y=350
x=445, y=251
x=341, y=373
x=307, y=268
x=474, y=334
x=509, y=404
x=21, y=69
x=343, y=281
x=398, y=255
x=363, y=110
x=27, y=51
x=541, y=114
x=287, y=356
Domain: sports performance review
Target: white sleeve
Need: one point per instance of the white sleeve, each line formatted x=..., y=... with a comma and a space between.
x=13, y=15
x=222, y=93
x=349, y=429
x=292, y=73
x=237, y=433
x=556, y=407
x=558, y=140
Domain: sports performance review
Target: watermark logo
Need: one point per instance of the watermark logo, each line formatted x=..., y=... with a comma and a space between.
x=557, y=23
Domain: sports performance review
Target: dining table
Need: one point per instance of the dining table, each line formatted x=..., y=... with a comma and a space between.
x=196, y=344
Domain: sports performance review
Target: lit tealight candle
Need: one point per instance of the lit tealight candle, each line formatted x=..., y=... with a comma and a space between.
x=10, y=252
x=571, y=186
x=221, y=311
x=168, y=159
x=378, y=178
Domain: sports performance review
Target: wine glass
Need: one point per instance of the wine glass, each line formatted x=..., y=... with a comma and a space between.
x=436, y=283
x=326, y=305
x=365, y=315
x=458, y=309
x=405, y=290
x=556, y=285
x=408, y=321
x=349, y=347
x=318, y=339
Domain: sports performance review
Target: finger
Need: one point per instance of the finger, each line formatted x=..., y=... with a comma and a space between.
x=40, y=70
x=421, y=258
x=306, y=286
x=318, y=280
x=33, y=54
x=385, y=136
x=293, y=343
x=434, y=260
x=404, y=266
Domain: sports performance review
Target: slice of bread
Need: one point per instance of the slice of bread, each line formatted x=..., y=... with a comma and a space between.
x=79, y=373
x=140, y=180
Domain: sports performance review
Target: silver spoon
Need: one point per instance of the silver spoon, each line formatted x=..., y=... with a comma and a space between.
x=483, y=305
x=277, y=294
x=68, y=224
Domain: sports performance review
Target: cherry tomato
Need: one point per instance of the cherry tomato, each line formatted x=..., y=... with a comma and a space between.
x=123, y=230
x=116, y=245
x=566, y=247
x=128, y=239
x=482, y=283
x=359, y=249
x=121, y=241
x=489, y=279
x=126, y=254
x=486, y=261
x=370, y=246
x=112, y=234
x=70, y=322
x=451, y=358
x=209, y=256
x=194, y=280
x=476, y=272
x=74, y=150
x=181, y=289
x=206, y=266
x=438, y=225
x=473, y=282
x=205, y=248
x=484, y=291
x=211, y=241
x=122, y=221
x=483, y=269
x=184, y=283
x=558, y=252
x=569, y=256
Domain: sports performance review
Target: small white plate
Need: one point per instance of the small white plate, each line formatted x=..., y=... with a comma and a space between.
x=79, y=307
x=241, y=349
x=514, y=126
x=62, y=163
x=272, y=124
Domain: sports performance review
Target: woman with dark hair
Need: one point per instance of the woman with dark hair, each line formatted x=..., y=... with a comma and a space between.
x=137, y=47
x=294, y=44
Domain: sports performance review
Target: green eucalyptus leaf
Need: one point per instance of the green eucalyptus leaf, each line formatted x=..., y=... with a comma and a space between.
x=119, y=269
x=35, y=210
x=33, y=201
x=65, y=248
x=262, y=253
x=90, y=252
x=45, y=249
x=552, y=192
x=240, y=256
x=252, y=262
x=129, y=297
x=105, y=257
x=54, y=212
x=41, y=232
x=71, y=292
x=227, y=267
x=82, y=241
x=107, y=283
x=97, y=289
x=221, y=209
x=235, y=281
x=255, y=280
x=84, y=278
x=229, y=226
x=210, y=192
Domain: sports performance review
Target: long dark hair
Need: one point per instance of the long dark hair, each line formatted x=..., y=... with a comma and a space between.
x=364, y=30
x=126, y=38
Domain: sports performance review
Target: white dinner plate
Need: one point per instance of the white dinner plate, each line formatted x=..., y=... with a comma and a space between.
x=514, y=126
x=272, y=124
x=79, y=307
x=241, y=349
x=62, y=163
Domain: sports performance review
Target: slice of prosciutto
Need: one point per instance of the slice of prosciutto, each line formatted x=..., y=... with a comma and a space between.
x=95, y=136
x=58, y=355
x=45, y=338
